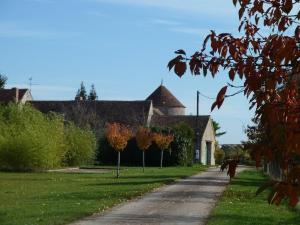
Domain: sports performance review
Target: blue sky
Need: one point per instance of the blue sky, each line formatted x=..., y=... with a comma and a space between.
x=121, y=46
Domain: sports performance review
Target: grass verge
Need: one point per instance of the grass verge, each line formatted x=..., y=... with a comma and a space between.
x=240, y=206
x=59, y=198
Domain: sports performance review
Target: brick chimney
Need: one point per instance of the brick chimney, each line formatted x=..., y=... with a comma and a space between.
x=15, y=92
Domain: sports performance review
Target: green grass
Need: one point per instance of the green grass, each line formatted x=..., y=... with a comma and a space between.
x=240, y=206
x=59, y=198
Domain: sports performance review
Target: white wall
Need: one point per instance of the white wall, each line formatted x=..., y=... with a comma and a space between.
x=208, y=136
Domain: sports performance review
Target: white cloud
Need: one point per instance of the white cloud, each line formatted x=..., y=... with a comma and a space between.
x=190, y=30
x=12, y=29
x=165, y=22
x=211, y=7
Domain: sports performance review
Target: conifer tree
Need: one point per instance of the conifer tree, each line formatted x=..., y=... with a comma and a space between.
x=82, y=91
x=93, y=94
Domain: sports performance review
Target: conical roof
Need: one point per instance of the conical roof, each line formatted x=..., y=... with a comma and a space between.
x=163, y=97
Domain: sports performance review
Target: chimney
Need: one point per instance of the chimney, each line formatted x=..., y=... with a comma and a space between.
x=15, y=94
x=78, y=98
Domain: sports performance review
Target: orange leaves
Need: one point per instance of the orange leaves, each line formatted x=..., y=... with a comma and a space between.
x=118, y=135
x=162, y=141
x=143, y=138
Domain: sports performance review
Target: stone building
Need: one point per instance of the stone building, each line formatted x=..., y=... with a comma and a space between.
x=160, y=108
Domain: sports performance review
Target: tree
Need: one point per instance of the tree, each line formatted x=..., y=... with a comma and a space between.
x=93, y=95
x=3, y=80
x=81, y=93
x=218, y=154
x=118, y=136
x=267, y=62
x=163, y=142
x=144, y=139
x=216, y=128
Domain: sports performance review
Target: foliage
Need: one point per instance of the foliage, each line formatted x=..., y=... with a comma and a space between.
x=267, y=62
x=93, y=94
x=182, y=146
x=29, y=140
x=3, y=80
x=239, y=205
x=143, y=138
x=118, y=135
x=219, y=154
x=80, y=145
x=81, y=93
x=181, y=149
x=61, y=198
x=163, y=141
x=217, y=127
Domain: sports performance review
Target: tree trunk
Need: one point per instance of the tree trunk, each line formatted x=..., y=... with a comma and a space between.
x=161, y=158
x=143, y=161
x=118, y=166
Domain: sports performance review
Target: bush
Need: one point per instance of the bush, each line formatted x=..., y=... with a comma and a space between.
x=219, y=154
x=30, y=140
x=80, y=145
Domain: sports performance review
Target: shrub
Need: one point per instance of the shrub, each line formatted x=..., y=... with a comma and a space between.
x=80, y=145
x=219, y=154
x=29, y=140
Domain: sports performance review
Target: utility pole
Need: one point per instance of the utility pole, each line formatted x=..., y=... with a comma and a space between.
x=197, y=151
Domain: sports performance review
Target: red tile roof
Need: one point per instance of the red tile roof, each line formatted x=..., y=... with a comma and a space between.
x=9, y=95
x=163, y=97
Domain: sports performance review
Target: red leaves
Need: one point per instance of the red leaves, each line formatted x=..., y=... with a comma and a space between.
x=220, y=98
x=178, y=63
x=288, y=5
x=266, y=62
x=180, y=68
x=231, y=74
x=174, y=61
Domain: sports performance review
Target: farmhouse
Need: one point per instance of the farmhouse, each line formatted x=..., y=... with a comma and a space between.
x=160, y=108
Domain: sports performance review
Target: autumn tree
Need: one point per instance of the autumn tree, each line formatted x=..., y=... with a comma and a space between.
x=163, y=142
x=144, y=139
x=117, y=136
x=265, y=57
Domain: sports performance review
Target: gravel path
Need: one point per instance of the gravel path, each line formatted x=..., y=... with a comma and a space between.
x=186, y=202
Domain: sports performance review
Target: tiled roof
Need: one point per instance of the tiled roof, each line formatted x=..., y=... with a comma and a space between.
x=163, y=97
x=190, y=120
x=9, y=95
x=126, y=112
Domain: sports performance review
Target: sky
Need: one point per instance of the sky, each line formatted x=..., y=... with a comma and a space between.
x=120, y=46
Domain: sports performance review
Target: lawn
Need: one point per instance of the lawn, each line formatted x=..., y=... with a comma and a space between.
x=240, y=206
x=59, y=198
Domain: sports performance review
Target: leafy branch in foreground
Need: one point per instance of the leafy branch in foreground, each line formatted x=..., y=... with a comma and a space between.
x=268, y=63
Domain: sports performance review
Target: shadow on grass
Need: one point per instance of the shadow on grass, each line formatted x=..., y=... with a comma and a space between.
x=249, y=220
